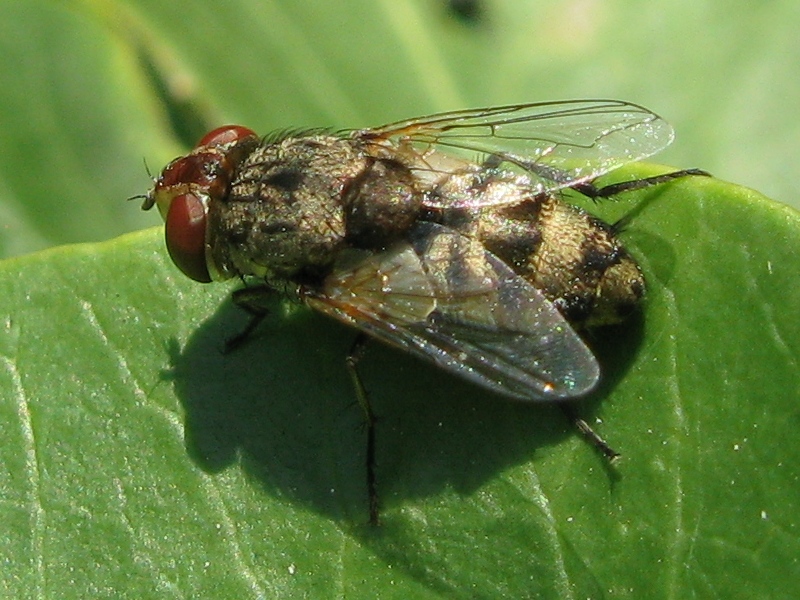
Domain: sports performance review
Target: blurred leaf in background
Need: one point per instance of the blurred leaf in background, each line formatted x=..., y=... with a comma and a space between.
x=83, y=84
x=140, y=462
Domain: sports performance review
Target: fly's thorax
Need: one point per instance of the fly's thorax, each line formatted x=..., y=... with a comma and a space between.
x=283, y=217
x=381, y=204
x=574, y=258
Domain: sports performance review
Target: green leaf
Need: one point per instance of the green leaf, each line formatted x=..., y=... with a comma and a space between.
x=139, y=461
x=138, y=457
x=67, y=163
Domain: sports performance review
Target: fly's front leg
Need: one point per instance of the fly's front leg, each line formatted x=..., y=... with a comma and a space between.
x=353, y=357
x=252, y=300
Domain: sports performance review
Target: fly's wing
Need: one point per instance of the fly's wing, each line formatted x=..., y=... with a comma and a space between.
x=555, y=145
x=444, y=297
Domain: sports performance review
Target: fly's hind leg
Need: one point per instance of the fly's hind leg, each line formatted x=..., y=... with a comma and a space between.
x=353, y=357
x=590, y=190
x=252, y=300
x=589, y=434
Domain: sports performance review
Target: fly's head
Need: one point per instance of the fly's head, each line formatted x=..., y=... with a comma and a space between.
x=187, y=188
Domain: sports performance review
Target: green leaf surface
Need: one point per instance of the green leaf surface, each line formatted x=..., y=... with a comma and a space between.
x=141, y=461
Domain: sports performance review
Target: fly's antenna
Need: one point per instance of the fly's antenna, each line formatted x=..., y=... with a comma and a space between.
x=148, y=199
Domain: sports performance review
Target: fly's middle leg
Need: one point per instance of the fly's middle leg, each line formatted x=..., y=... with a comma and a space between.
x=353, y=357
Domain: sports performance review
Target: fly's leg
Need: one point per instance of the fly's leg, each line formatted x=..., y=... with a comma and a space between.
x=590, y=190
x=589, y=434
x=353, y=357
x=252, y=300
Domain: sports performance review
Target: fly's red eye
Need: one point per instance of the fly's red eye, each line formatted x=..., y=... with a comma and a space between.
x=194, y=168
x=226, y=134
x=186, y=236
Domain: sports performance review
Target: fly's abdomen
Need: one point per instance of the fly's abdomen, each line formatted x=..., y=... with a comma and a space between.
x=572, y=257
x=583, y=268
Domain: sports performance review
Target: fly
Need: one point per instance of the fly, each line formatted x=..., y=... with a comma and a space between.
x=445, y=236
